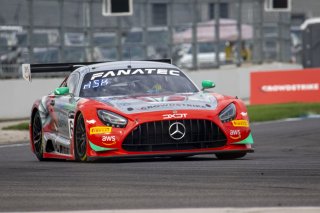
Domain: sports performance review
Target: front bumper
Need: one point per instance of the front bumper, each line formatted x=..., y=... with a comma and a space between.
x=148, y=136
x=169, y=154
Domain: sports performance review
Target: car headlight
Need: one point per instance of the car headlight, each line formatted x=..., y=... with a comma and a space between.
x=228, y=113
x=112, y=119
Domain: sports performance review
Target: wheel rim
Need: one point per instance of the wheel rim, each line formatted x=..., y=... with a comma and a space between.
x=81, y=138
x=37, y=134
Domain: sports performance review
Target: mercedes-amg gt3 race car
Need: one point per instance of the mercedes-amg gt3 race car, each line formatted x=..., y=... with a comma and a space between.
x=134, y=109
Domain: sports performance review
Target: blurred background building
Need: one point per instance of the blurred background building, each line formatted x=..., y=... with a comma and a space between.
x=196, y=34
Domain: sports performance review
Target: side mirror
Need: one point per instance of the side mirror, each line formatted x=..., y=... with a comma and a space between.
x=207, y=84
x=61, y=91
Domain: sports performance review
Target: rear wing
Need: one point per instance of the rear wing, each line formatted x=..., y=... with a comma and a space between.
x=28, y=69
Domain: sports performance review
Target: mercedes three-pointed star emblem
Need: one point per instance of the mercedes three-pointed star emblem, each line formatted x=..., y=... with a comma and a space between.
x=177, y=131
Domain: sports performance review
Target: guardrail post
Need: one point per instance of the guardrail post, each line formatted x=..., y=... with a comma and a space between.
x=217, y=32
x=30, y=30
x=194, y=35
x=239, y=39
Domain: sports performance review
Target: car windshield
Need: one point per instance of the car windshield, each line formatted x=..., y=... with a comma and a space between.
x=135, y=82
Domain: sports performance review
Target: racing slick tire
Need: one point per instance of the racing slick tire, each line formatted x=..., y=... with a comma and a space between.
x=230, y=156
x=80, y=140
x=37, y=136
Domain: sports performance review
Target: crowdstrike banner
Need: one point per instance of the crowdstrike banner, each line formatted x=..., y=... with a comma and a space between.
x=290, y=87
x=285, y=86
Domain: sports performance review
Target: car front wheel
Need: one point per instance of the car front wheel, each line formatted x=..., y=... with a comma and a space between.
x=37, y=136
x=80, y=140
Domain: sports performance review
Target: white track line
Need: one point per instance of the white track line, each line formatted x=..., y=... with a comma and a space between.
x=206, y=210
x=13, y=145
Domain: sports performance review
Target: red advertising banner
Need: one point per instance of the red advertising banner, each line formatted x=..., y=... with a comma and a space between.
x=285, y=86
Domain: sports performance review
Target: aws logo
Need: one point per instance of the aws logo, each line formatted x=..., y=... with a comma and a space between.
x=235, y=134
x=109, y=140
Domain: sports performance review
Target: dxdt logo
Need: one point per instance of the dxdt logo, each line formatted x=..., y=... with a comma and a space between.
x=177, y=116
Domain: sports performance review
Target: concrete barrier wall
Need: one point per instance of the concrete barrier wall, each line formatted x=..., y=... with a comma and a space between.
x=228, y=82
x=235, y=81
x=17, y=96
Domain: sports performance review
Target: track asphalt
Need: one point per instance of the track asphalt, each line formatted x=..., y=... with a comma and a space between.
x=284, y=171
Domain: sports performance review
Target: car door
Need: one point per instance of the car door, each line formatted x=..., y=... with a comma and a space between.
x=49, y=108
x=65, y=107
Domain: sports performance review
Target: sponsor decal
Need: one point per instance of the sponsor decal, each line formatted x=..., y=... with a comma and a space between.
x=240, y=123
x=290, y=87
x=91, y=121
x=235, y=134
x=100, y=130
x=96, y=83
x=177, y=115
x=244, y=114
x=71, y=126
x=130, y=105
x=145, y=71
x=285, y=86
x=26, y=72
x=109, y=140
x=169, y=105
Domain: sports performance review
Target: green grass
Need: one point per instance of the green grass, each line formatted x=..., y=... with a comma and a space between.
x=20, y=126
x=282, y=111
x=256, y=113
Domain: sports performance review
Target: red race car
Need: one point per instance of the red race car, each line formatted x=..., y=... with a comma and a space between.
x=134, y=109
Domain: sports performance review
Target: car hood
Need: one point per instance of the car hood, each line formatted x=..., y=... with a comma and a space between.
x=153, y=103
